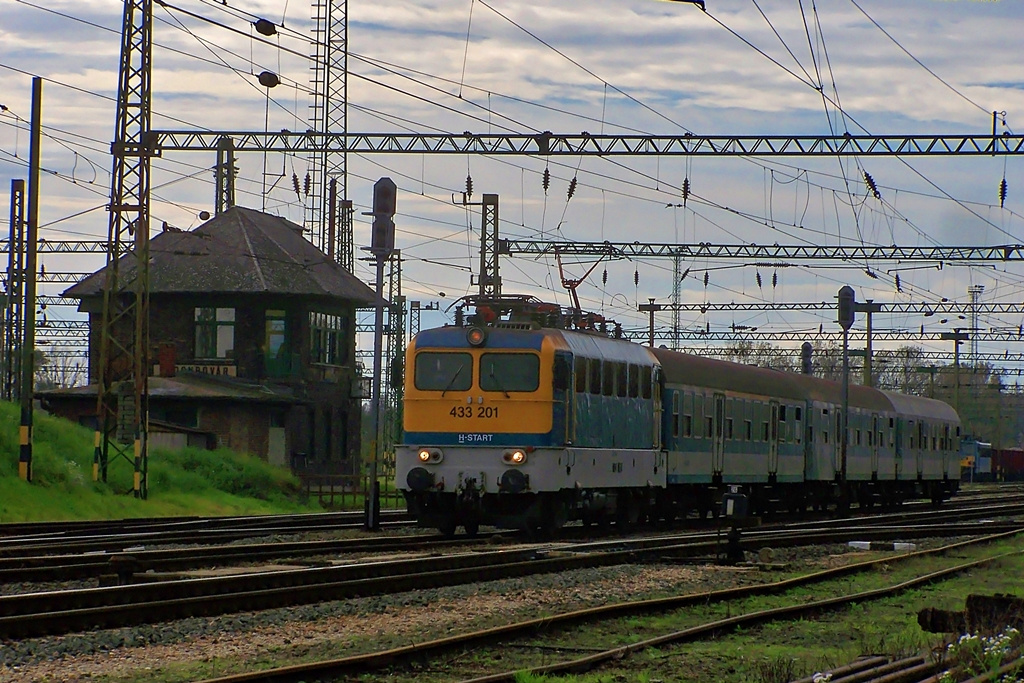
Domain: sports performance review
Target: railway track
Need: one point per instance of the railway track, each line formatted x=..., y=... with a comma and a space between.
x=55, y=612
x=877, y=669
x=131, y=557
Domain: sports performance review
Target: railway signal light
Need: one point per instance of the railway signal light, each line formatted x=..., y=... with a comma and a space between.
x=847, y=299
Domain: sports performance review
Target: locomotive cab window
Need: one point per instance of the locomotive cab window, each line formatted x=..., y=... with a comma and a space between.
x=509, y=372
x=443, y=371
x=645, y=382
x=634, y=380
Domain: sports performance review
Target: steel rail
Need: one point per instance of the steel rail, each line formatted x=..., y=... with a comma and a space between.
x=375, y=660
x=34, y=614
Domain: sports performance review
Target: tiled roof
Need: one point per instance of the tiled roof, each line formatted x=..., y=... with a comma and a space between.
x=239, y=251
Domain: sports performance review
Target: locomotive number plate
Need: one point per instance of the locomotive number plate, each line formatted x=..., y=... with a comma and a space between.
x=474, y=411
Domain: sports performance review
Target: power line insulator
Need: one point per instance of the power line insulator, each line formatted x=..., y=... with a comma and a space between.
x=757, y=278
x=705, y=279
x=572, y=189
x=869, y=182
x=307, y=185
x=1002, y=192
x=636, y=277
x=899, y=286
x=604, y=278
x=545, y=180
x=775, y=279
x=295, y=184
x=686, y=189
x=469, y=186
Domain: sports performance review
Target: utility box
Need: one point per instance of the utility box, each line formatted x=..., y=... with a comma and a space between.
x=734, y=505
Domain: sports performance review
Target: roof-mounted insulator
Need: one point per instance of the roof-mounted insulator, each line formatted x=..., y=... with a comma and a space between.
x=1002, y=192
x=545, y=180
x=869, y=182
x=572, y=189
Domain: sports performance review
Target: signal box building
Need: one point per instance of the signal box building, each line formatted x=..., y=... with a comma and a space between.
x=252, y=338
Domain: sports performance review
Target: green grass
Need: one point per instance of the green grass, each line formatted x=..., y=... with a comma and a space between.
x=184, y=482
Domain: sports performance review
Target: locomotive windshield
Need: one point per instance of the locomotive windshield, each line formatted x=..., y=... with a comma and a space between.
x=444, y=371
x=509, y=372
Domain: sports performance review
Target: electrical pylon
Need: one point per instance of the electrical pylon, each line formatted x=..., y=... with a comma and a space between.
x=122, y=404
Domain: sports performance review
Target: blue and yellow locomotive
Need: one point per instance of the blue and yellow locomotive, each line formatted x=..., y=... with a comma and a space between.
x=528, y=418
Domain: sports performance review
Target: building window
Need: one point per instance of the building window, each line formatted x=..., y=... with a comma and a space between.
x=215, y=333
x=327, y=338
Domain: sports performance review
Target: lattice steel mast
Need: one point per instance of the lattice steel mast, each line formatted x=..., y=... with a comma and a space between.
x=123, y=368
x=329, y=114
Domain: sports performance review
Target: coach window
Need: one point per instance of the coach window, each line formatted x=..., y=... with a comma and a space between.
x=634, y=380
x=728, y=428
x=509, y=372
x=798, y=428
x=687, y=415
x=595, y=375
x=581, y=375
x=621, y=380
x=443, y=371
x=675, y=414
x=698, y=415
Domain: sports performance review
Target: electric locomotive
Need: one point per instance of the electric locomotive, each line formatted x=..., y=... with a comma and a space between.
x=512, y=424
x=528, y=417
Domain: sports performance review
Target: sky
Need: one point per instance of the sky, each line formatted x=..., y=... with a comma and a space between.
x=739, y=67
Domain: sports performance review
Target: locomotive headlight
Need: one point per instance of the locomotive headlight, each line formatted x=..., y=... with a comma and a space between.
x=516, y=457
x=430, y=455
x=476, y=336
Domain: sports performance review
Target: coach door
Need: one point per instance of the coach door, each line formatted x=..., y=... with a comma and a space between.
x=718, y=444
x=873, y=439
x=656, y=391
x=773, y=439
x=837, y=460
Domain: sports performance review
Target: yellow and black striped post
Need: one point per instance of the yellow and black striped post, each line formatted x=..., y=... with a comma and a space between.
x=31, y=234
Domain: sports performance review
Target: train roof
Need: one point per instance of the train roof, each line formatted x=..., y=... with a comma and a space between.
x=718, y=374
x=918, y=406
x=581, y=343
x=686, y=369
